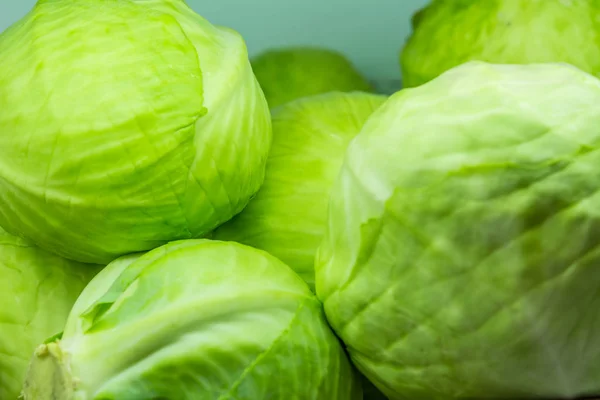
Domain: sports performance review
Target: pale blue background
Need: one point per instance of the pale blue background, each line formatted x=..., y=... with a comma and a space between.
x=370, y=32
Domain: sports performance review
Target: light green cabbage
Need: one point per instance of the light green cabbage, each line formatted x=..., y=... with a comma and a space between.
x=462, y=255
x=37, y=291
x=125, y=124
x=195, y=319
x=290, y=73
x=288, y=216
x=450, y=32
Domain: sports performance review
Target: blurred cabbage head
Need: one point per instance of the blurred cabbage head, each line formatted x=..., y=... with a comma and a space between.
x=462, y=251
x=289, y=73
x=125, y=124
x=195, y=319
x=447, y=33
x=37, y=291
x=288, y=215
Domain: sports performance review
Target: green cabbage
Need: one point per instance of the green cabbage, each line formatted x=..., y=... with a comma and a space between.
x=287, y=217
x=195, y=319
x=291, y=73
x=462, y=253
x=370, y=391
x=450, y=32
x=37, y=291
x=125, y=124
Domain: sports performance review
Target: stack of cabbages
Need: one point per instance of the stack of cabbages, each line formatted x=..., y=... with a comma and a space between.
x=180, y=223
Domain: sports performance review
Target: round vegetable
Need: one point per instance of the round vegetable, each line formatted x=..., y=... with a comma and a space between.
x=287, y=217
x=122, y=124
x=291, y=73
x=195, y=319
x=450, y=32
x=461, y=258
x=37, y=291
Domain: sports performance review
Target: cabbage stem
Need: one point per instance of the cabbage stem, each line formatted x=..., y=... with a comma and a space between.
x=49, y=375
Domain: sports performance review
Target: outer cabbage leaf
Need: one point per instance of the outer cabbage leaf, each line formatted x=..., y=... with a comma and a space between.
x=37, y=291
x=195, y=319
x=462, y=253
x=124, y=125
x=290, y=73
x=447, y=33
x=288, y=216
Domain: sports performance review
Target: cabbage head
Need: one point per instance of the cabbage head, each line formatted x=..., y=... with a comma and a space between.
x=289, y=73
x=462, y=254
x=125, y=124
x=447, y=33
x=288, y=216
x=37, y=291
x=195, y=319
